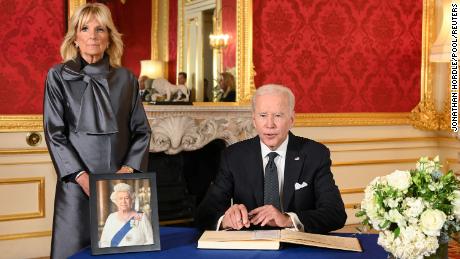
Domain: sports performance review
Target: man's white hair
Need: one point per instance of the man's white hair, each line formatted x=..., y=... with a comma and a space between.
x=274, y=89
x=121, y=187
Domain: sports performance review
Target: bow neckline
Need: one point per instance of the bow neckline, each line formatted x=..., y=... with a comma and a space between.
x=96, y=115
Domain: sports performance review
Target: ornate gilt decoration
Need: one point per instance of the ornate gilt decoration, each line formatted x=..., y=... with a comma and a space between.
x=180, y=36
x=154, y=31
x=163, y=32
x=244, y=65
x=73, y=5
x=21, y=123
x=444, y=116
x=424, y=116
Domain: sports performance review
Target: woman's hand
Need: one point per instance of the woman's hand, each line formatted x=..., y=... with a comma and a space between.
x=125, y=170
x=83, y=181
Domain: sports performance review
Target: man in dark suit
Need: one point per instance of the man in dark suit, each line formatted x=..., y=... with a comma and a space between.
x=275, y=179
x=143, y=92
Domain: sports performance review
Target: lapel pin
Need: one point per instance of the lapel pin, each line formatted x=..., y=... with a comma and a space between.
x=296, y=158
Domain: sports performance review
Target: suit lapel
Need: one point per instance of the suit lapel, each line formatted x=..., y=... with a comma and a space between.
x=256, y=172
x=292, y=169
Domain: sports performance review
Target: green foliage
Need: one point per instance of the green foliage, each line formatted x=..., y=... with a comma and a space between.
x=426, y=182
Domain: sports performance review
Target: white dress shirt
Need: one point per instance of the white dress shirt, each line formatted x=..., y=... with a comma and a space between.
x=280, y=162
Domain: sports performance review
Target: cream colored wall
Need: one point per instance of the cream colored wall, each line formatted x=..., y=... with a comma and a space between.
x=27, y=183
x=358, y=154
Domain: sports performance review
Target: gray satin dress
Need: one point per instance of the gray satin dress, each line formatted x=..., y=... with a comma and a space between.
x=94, y=121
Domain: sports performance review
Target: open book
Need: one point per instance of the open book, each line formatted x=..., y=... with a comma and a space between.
x=270, y=240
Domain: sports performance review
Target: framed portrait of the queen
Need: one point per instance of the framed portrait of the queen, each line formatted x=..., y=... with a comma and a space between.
x=124, y=213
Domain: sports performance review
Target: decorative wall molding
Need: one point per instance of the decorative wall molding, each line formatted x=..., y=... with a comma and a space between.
x=21, y=123
x=25, y=123
x=40, y=194
x=368, y=140
x=25, y=235
x=23, y=151
x=375, y=162
x=351, y=191
x=351, y=119
x=26, y=162
x=407, y=148
x=352, y=206
x=450, y=163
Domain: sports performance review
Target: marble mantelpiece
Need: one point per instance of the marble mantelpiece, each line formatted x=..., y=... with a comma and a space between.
x=177, y=128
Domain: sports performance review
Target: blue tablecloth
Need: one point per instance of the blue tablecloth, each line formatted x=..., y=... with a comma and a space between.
x=181, y=243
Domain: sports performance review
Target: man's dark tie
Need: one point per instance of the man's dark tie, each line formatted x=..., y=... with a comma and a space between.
x=271, y=187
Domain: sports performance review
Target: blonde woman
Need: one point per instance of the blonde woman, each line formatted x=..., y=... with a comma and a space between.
x=94, y=121
x=227, y=87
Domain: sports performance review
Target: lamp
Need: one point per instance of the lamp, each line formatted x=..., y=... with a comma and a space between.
x=152, y=69
x=440, y=51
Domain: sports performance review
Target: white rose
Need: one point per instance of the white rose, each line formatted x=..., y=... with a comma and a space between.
x=456, y=204
x=400, y=180
x=431, y=222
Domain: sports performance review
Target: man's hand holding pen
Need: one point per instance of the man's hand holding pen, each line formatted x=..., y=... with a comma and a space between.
x=238, y=217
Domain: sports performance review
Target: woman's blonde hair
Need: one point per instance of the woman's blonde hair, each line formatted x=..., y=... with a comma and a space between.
x=228, y=80
x=80, y=17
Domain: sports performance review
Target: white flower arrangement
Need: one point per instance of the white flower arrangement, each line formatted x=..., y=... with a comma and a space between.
x=413, y=210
